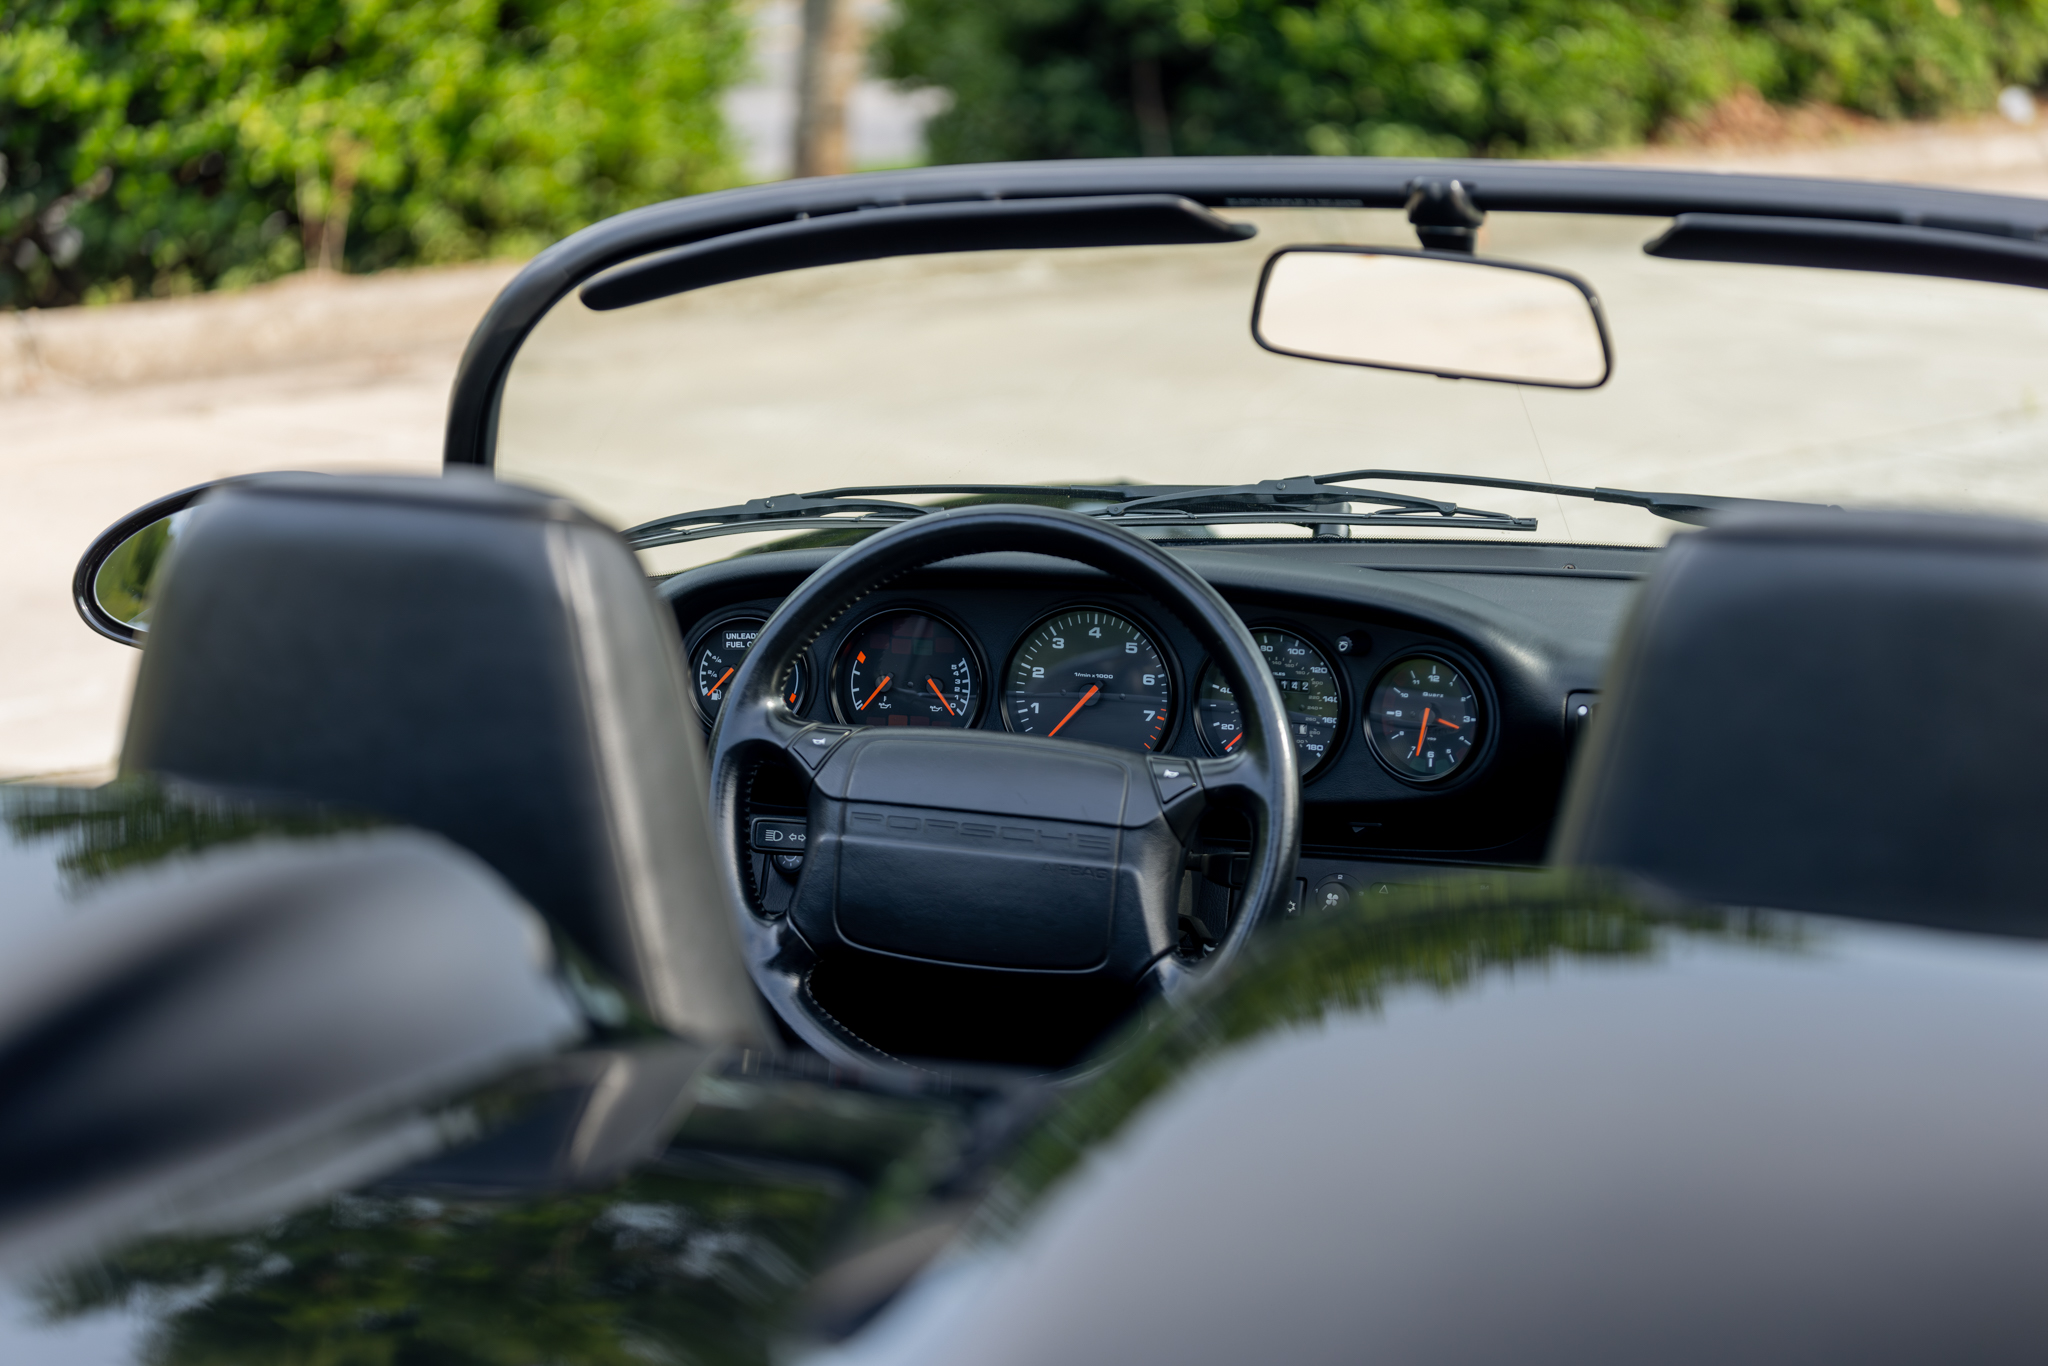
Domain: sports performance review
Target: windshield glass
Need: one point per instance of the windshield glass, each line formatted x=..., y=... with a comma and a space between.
x=1137, y=365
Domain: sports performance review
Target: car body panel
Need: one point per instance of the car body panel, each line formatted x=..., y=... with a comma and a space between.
x=1543, y=1119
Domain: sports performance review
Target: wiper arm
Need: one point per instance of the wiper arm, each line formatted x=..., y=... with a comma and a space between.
x=784, y=509
x=1694, y=509
x=1300, y=499
x=854, y=509
x=1307, y=500
x=1147, y=505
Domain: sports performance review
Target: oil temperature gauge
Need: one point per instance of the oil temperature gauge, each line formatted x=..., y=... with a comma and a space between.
x=719, y=654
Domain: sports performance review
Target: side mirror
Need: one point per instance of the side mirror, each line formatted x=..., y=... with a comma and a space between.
x=116, y=578
x=1433, y=313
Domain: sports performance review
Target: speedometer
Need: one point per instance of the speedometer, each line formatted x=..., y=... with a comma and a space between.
x=1088, y=674
x=1308, y=687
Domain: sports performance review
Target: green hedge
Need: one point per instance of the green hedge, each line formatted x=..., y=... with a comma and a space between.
x=1065, y=78
x=161, y=146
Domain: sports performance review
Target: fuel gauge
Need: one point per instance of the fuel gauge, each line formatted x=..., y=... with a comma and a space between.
x=720, y=652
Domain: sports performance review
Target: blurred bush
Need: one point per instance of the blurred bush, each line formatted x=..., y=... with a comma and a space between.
x=162, y=146
x=1075, y=78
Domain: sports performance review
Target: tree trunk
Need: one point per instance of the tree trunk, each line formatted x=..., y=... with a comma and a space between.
x=827, y=67
x=1148, y=102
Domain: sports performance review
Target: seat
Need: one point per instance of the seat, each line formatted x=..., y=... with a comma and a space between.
x=1843, y=713
x=473, y=658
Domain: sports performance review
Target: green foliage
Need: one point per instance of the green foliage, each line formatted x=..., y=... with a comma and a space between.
x=696, y=1259
x=1070, y=78
x=160, y=146
x=125, y=581
x=135, y=821
x=658, y=1269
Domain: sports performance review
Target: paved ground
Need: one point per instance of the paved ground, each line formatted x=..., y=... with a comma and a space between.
x=77, y=451
x=75, y=455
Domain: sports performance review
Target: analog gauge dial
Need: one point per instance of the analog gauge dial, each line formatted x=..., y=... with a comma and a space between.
x=1088, y=674
x=1425, y=717
x=719, y=654
x=1308, y=687
x=907, y=669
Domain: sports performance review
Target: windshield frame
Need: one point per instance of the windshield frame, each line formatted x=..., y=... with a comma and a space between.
x=2010, y=221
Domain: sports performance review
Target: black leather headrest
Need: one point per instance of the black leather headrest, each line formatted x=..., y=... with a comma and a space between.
x=1843, y=713
x=470, y=657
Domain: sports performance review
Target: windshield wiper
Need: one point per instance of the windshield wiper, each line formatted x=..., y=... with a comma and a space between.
x=1694, y=509
x=1315, y=501
x=1296, y=501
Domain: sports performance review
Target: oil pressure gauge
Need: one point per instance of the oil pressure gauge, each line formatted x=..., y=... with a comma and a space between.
x=1425, y=718
x=907, y=669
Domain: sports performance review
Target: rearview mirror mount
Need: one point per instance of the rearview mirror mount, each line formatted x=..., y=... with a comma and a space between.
x=1438, y=313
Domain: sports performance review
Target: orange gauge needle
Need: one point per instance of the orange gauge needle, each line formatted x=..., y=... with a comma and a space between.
x=1092, y=690
x=1421, y=734
x=1233, y=740
x=876, y=693
x=1452, y=724
x=721, y=681
x=942, y=699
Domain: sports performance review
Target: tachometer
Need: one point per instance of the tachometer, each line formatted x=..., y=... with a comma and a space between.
x=718, y=656
x=1425, y=718
x=906, y=669
x=1087, y=674
x=1308, y=685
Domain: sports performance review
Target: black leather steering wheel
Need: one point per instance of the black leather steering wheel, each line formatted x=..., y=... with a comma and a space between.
x=987, y=850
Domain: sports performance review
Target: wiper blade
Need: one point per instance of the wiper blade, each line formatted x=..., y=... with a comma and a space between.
x=1135, y=505
x=1302, y=499
x=1313, y=490
x=848, y=509
x=1694, y=509
x=784, y=510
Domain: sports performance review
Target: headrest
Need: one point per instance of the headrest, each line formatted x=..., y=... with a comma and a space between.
x=1832, y=712
x=467, y=656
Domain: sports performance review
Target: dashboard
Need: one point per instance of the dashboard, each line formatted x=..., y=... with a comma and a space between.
x=1433, y=690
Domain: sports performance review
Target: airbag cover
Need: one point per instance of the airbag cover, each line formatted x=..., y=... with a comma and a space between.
x=1013, y=780
x=959, y=887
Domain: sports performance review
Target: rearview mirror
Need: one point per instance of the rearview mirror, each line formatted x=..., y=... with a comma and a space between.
x=1433, y=313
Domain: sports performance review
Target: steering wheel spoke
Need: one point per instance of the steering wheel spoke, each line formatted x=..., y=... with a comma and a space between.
x=1235, y=780
x=766, y=723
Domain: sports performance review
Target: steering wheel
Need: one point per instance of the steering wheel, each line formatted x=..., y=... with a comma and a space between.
x=986, y=850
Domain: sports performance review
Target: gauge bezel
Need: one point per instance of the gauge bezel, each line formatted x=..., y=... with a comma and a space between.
x=1175, y=673
x=1482, y=685
x=1330, y=657
x=704, y=632
x=975, y=655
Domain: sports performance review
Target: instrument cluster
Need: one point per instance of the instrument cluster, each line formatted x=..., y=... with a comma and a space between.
x=1105, y=673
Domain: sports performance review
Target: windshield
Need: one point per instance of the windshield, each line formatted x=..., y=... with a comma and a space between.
x=1137, y=365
